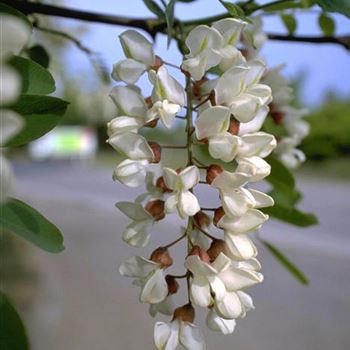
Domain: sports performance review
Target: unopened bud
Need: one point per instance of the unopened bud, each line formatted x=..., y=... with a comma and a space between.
x=217, y=246
x=156, y=209
x=197, y=250
x=234, y=126
x=173, y=285
x=185, y=313
x=156, y=150
x=212, y=172
x=162, y=257
x=218, y=214
x=201, y=219
x=160, y=184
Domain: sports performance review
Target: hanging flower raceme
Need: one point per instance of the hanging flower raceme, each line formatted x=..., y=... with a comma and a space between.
x=223, y=116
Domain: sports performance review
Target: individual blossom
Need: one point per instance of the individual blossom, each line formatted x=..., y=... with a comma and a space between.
x=149, y=275
x=137, y=232
x=220, y=324
x=294, y=123
x=168, y=97
x=182, y=198
x=180, y=331
x=130, y=172
x=140, y=57
x=287, y=152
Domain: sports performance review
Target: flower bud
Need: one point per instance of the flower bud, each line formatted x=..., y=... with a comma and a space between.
x=212, y=172
x=201, y=219
x=197, y=250
x=160, y=184
x=157, y=151
x=173, y=285
x=234, y=126
x=162, y=257
x=156, y=209
x=217, y=246
x=185, y=313
x=218, y=214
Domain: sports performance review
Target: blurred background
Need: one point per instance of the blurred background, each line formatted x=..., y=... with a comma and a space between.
x=77, y=300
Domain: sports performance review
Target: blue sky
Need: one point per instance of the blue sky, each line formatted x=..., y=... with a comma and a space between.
x=327, y=66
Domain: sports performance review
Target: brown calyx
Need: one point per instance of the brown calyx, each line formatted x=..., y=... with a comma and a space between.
x=203, y=255
x=173, y=285
x=156, y=209
x=212, y=172
x=201, y=219
x=162, y=257
x=218, y=214
x=217, y=246
x=158, y=62
x=185, y=313
x=233, y=128
x=160, y=184
x=156, y=150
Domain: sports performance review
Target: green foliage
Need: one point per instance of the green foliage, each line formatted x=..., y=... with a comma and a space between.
x=289, y=22
x=155, y=8
x=326, y=24
x=169, y=16
x=41, y=114
x=19, y=218
x=39, y=55
x=36, y=80
x=329, y=131
x=285, y=262
x=282, y=5
x=12, y=333
x=235, y=10
x=340, y=6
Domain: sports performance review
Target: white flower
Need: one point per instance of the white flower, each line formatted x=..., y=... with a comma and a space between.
x=14, y=35
x=132, y=146
x=256, y=167
x=120, y=125
x=204, y=44
x=129, y=101
x=140, y=57
x=256, y=123
x=168, y=336
x=165, y=307
x=239, y=247
x=219, y=324
x=168, y=96
x=149, y=276
x=239, y=89
x=230, y=29
x=287, y=152
x=137, y=232
x=131, y=173
x=153, y=191
x=248, y=222
x=182, y=199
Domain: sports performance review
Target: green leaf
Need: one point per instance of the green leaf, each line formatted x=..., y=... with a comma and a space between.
x=285, y=262
x=281, y=176
x=169, y=15
x=282, y=6
x=12, y=333
x=41, y=114
x=36, y=80
x=340, y=6
x=289, y=22
x=286, y=197
x=155, y=8
x=23, y=220
x=38, y=54
x=326, y=24
x=12, y=11
x=235, y=10
x=291, y=215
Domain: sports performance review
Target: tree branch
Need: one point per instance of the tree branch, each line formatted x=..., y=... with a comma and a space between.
x=151, y=25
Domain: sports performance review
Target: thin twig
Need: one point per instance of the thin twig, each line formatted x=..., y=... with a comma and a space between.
x=204, y=232
x=174, y=146
x=176, y=241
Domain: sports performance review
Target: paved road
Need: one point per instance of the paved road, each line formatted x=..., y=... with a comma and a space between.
x=83, y=304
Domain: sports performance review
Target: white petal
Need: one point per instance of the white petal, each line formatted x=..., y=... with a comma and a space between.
x=227, y=180
x=10, y=86
x=262, y=92
x=256, y=70
x=171, y=203
x=122, y=124
x=191, y=337
x=224, y=147
x=262, y=200
x=257, y=144
x=170, y=177
x=131, y=145
x=165, y=111
x=198, y=267
x=128, y=101
x=230, y=29
x=128, y=71
x=247, y=302
x=240, y=247
x=236, y=201
x=256, y=167
x=136, y=46
x=189, y=177
x=229, y=307
x=11, y=124
x=256, y=123
x=200, y=291
x=236, y=278
x=137, y=266
x=245, y=107
x=134, y=211
x=131, y=172
x=166, y=336
x=166, y=307
x=217, y=287
x=156, y=289
x=137, y=233
x=219, y=324
x=212, y=121
x=187, y=204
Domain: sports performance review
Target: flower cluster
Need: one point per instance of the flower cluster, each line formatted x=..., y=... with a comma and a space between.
x=14, y=35
x=224, y=115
